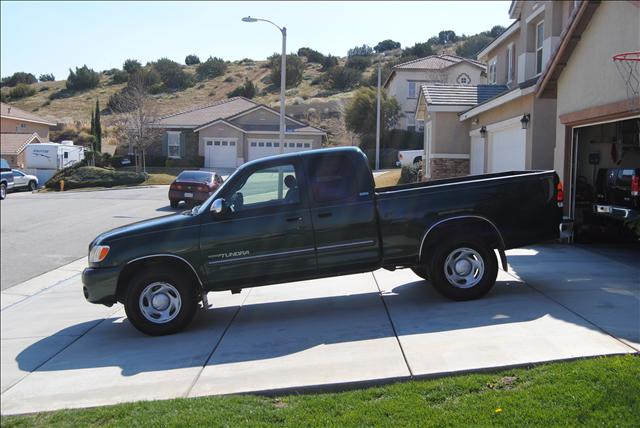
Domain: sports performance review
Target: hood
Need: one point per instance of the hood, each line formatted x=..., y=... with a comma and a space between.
x=153, y=225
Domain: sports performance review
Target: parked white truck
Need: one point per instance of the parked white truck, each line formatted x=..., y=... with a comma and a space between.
x=409, y=157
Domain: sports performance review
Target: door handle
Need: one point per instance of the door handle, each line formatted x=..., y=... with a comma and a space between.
x=324, y=215
x=292, y=219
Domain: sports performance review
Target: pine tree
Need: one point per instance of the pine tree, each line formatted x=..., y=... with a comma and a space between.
x=97, y=128
x=92, y=123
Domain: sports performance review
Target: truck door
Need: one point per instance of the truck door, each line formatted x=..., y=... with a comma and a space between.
x=265, y=234
x=343, y=213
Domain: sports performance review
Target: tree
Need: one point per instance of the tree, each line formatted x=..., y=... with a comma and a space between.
x=387, y=68
x=360, y=114
x=295, y=68
x=97, y=128
x=328, y=62
x=120, y=76
x=83, y=78
x=473, y=45
x=447, y=36
x=363, y=50
x=211, y=68
x=172, y=75
x=311, y=55
x=47, y=78
x=419, y=50
x=192, y=60
x=358, y=62
x=131, y=66
x=248, y=90
x=19, y=77
x=343, y=78
x=433, y=40
x=137, y=124
x=386, y=45
x=496, y=30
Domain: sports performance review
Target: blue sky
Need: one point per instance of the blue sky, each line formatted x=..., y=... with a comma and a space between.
x=51, y=36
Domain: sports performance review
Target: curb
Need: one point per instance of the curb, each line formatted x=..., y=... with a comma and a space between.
x=101, y=189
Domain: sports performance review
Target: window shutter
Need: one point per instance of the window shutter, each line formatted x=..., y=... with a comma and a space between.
x=183, y=143
x=165, y=144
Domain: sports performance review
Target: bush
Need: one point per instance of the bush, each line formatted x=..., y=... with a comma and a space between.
x=496, y=31
x=248, y=90
x=19, y=77
x=295, y=68
x=363, y=50
x=172, y=75
x=119, y=76
x=358, y=62
x=329, y=62
x=83, y=78
x=192, y=60
x=47, y=78
x=473, y=45
x=343, y=78
x=131, y=66
x=211, y=68
x=89, y=176
x=447, y=36
x=21, y=90
x=410, y=174
x=387, y=68
x=386, y=45
x=193, y=162
x=311, y=55
x=418, y=50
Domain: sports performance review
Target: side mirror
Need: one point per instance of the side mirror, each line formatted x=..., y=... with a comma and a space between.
x=218, y=205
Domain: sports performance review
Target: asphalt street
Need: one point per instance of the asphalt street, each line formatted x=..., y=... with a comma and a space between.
x=43, y=231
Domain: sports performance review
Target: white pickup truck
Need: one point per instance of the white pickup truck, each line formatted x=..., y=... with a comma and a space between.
x=409, y=157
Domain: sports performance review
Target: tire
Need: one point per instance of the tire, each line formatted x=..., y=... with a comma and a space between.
x=3, y=191
x=421, y=271
x=32, y=186
x=175, y=308
x=173, y=203
x=457, y=280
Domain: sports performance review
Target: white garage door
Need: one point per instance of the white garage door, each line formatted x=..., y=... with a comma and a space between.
x=296, y=146
x=220, y=153
x=477, y=155
x=507, y=149
x=263, y=148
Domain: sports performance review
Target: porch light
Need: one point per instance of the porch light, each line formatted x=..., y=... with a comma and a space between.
x=483, y=131
x=525, y=120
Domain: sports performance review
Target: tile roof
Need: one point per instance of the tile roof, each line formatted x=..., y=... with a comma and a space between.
x=436, y=62
x=460, y=95
x=7, y=110
x=200, y=115
x=13, y=144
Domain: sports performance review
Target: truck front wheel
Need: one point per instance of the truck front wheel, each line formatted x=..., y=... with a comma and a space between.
x=160, y=302
x=463, y=270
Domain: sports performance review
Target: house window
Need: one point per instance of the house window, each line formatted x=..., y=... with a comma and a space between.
x=307, y=145
x=510, y=63
x=216, y=143
x=276, y=144
x=261, y=144
x=299, y=145
x=269, y=144
x=463, y=79
x=539, y=40
x=492, y=71
x=173, y=144
x=412, y=90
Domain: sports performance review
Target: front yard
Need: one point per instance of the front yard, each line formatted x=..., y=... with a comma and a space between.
x=601, y=391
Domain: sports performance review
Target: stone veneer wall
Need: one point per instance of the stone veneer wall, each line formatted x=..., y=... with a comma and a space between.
x=448, y=168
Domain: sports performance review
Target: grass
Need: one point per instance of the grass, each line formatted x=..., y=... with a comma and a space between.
x=159, y=178
x=389, y=178
x=602, y=391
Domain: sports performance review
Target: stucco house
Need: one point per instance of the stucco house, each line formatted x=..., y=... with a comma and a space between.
x=405, y=80
x=231, y=132
x=598, y=120
x=446, y=139
x=19, y=128
x=514, y=131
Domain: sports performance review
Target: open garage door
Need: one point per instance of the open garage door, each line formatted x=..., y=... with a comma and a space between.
x=507, y=148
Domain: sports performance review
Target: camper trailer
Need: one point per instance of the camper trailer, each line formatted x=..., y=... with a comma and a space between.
x=44, y=159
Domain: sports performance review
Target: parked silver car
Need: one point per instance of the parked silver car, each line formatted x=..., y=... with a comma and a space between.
x=24, y=181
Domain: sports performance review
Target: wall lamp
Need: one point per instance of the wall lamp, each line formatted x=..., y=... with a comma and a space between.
x=525, y=120
x=483, y=131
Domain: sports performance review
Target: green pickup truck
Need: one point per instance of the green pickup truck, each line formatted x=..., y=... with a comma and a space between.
x=317, y=214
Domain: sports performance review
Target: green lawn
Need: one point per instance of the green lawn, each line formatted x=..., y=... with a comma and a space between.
x=592, y=392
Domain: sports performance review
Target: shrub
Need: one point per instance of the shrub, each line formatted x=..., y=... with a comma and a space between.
x=447, y=36
x=47, y=78
x=363, y=50
x=83, y=78
x=496, y=30
x=43, y=89
x=248, y=90
x=89, y=176
x=110, y=71
x=131, y=66
x=359, y=62
x=191, y=162
x=410, y=174
x=19, y=77
x=311, y=55
x=4, y=97
x=343, y=78
x=21, y=90
x=387, y=68
x=386, y=45
x=418, y=50
x=229, y=79
x=295, y=68
x=211, y=68
x=119, y=76
x=172, y=75
x=329, y=62
x=473, y=45
x=192, y=60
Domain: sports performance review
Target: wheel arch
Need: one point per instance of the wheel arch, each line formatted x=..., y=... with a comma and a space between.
x=477, y=226
x=139, y=264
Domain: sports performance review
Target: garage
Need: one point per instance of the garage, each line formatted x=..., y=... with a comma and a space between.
x=259, y=148
x=507, y=146
x=220, y=152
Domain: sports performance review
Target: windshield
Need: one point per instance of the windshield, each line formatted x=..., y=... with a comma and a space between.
x=195, y=176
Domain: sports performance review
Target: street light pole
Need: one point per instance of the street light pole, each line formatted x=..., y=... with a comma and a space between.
x=378, y=119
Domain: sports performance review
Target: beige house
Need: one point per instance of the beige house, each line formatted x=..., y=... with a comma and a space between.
x=228, y=133
x=19, y=128
x=512, y=131
x=446, y=139
x=598, y=120
x=405, y=81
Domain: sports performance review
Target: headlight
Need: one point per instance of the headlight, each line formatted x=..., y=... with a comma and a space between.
x=98, y=253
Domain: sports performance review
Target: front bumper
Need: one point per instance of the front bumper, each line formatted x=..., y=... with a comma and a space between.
x=615, y=212
x=99, y=285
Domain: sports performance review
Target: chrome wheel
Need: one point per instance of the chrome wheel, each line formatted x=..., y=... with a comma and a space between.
x=464, y=268
x=160, y=302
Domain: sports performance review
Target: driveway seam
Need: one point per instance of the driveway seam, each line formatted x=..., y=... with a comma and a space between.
x=527, y=283
x=41, y=290
x=215, y=347
x=393, y=327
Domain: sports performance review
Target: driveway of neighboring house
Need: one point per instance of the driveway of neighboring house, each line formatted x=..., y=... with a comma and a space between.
x=557, y=302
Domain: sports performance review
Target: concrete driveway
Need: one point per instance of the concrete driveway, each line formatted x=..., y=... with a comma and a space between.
x=60, y=352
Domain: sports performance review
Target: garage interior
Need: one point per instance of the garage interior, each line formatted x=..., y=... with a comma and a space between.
x=597, y=148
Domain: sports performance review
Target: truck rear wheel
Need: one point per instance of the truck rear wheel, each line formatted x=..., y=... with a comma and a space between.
x=160, y=302
x=463, y=270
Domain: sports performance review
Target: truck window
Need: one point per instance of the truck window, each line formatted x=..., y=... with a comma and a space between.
x=266, y=187
x=333, y=178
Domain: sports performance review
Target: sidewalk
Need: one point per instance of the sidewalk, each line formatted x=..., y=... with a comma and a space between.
x=58, y=351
